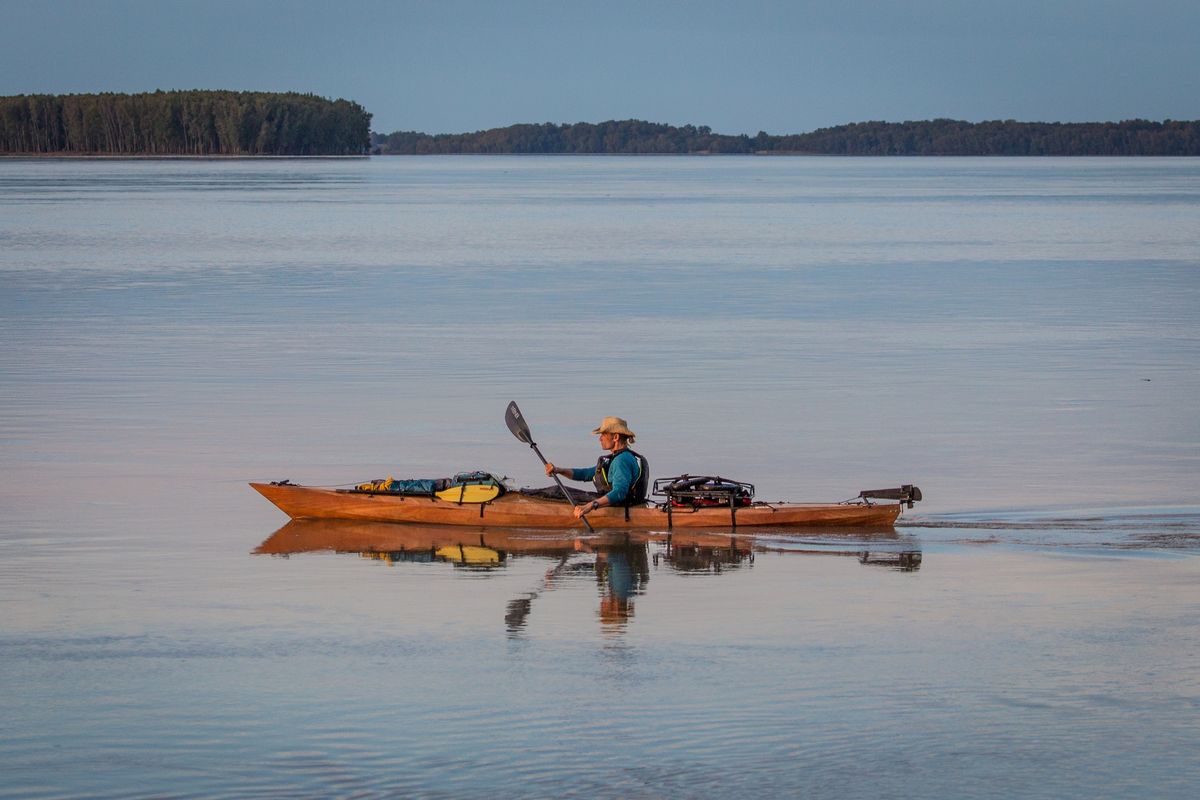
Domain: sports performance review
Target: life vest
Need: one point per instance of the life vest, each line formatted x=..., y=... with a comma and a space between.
x=638, y=490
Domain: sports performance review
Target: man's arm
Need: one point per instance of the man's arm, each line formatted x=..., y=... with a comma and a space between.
x=582, y=474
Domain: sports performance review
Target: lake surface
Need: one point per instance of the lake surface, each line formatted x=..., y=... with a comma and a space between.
x=1020, y=338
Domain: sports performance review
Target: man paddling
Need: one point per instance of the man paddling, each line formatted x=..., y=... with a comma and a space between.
x=621, y=478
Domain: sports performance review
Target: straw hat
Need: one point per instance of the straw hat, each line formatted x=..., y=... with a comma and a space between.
x=614, y=425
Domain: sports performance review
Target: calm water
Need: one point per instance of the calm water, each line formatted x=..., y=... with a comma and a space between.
x=1018, y=337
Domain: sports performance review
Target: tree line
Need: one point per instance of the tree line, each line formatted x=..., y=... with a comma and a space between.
x=194, y=123
x=205, y=123
x=632, y=136
x=939, y=137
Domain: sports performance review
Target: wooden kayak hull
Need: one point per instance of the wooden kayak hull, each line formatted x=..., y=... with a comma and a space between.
x=520, y=511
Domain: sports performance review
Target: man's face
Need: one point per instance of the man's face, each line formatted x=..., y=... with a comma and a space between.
x=608, y=440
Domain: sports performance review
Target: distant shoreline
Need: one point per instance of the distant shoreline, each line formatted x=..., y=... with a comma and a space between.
x=385, y=156
x=158, y=157
x=939, y=137
x=183, y=123
x=222, y=124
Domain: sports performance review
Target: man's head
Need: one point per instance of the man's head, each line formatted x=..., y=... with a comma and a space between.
x=614, y=433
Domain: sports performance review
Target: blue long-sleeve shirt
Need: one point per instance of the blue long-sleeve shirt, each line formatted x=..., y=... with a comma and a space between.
x=622, y=473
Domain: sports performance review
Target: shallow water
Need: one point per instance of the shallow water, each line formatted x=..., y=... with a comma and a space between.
x=1018, y=337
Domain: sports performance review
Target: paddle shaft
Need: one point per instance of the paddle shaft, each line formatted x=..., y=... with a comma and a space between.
x=566, y=494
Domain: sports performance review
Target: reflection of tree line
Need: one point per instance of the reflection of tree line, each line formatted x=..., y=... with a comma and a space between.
x=620, y=563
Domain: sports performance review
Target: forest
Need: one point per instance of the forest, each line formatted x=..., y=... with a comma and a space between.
x=939, y=137
x=225, y=123
x=191, y=123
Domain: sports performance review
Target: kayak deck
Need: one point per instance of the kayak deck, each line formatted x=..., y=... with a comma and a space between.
x=519, y=511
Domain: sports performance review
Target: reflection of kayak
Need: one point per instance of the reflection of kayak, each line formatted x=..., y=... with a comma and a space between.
x=684, y=550
x=349, y=536
x=520, y=511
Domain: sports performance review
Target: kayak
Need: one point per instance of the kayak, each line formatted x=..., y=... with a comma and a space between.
x=515, y=510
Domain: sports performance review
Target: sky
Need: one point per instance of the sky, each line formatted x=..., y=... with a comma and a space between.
x=739, y=67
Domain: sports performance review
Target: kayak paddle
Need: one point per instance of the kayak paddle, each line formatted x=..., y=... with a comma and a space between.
x=516, y=423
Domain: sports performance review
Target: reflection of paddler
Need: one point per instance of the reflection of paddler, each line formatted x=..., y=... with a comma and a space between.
x=614, y=611
x=622, y=571
x=517, y=613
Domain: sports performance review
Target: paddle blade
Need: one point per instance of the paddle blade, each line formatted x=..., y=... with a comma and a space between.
x=516, y=423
